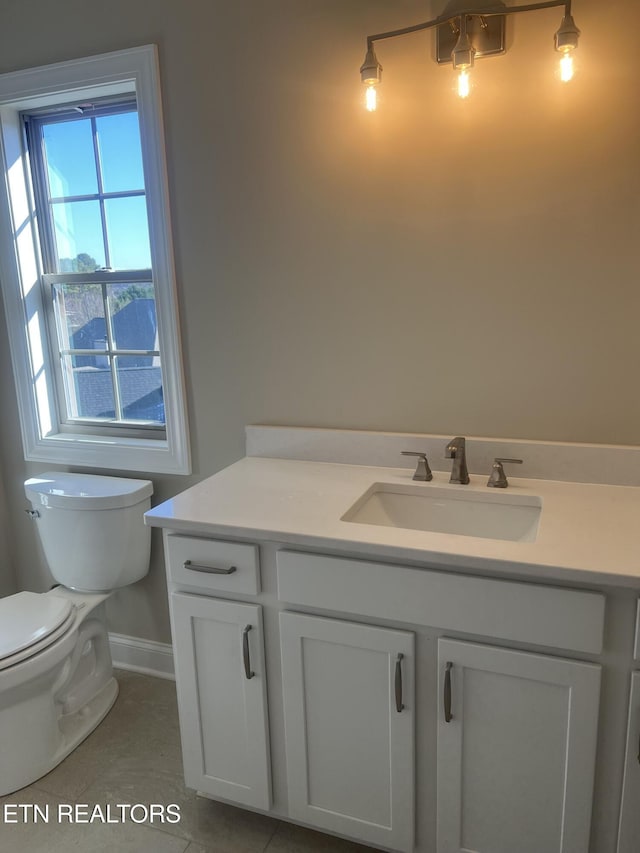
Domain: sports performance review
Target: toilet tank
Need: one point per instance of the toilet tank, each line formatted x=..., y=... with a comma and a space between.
x=92, y=528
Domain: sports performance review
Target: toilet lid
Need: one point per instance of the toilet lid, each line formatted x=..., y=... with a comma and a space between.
x=28, y=618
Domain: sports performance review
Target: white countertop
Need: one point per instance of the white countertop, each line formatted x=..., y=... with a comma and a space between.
x=587, y=533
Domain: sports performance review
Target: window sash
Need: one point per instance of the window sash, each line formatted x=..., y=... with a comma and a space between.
x=64, y=382
x=34, y=128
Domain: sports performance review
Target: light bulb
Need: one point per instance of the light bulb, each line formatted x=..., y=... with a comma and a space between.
x=566, y=41
x=566, y=67
x=464, y=83
x=371, y=74
x=371, y=98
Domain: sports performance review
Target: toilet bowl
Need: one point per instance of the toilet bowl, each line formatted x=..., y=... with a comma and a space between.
x=56, y=679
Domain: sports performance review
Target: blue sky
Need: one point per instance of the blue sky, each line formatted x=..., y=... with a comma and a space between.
x=71, y=171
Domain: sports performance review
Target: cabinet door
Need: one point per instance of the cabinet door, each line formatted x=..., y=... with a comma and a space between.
x=516, y=751
x=349, y=726
x=220, y=676
x=629, y=837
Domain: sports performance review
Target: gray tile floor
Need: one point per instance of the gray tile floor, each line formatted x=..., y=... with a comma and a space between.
x=134, y=757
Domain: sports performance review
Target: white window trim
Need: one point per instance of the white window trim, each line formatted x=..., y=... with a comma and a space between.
x=20, y=266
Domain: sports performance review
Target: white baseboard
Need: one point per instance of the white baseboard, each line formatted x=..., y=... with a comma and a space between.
x=144, y=656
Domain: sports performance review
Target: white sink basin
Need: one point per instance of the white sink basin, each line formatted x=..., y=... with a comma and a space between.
x=449, y=510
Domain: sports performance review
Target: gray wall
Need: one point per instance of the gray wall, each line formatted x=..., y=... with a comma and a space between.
x=8, y=582
x=440, y=266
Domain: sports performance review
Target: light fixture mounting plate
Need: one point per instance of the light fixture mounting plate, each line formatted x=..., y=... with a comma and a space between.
x=486, y=34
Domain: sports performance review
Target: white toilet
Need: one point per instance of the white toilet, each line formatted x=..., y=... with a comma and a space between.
x=56, y=680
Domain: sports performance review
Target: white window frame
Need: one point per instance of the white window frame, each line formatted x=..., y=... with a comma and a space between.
x=126, y=71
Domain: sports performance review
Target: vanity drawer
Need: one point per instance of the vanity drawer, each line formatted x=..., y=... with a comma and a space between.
x=212, y=564
x=507, y=610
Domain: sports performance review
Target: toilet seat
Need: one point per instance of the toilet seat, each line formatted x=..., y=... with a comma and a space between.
x=30, y=623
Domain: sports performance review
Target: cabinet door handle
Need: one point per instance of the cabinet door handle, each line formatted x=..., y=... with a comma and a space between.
x=211, y=570
x=448, y=716
x=398, y=683
x=245, y=653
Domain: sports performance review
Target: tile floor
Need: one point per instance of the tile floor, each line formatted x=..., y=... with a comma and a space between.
x=134, y=757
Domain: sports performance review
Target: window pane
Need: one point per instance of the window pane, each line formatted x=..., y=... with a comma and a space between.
x=81, y=323
x=120, y=154
x=133, y=318
x=140, y=389
x=78, y=233
x=89, y=390
x=128, y=233
x=71, y=162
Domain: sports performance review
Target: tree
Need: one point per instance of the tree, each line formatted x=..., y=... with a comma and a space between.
x=81, y=263
x=124, y=294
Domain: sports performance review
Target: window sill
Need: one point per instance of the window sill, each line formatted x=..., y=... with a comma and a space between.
x=144, y=455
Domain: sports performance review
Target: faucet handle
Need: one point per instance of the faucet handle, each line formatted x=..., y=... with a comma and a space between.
x=423, y=472
x=498, y=479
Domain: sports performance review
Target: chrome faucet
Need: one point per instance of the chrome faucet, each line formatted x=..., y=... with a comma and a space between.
x=456, y=450
x=423, y=472
x=498, y=479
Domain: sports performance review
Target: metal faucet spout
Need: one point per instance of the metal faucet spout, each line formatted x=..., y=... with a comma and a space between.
x=456, y=450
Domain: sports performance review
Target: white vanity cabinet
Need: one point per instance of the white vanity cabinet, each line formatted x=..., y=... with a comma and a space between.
x=349, y=728
x=629, y=836
x=357, y=732
x=220, y=675
x=220, y=668
x=516, y=750
x=516, y=731
x=539, y=634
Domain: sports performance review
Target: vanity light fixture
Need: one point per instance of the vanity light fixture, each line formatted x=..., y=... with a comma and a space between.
x=462, y=34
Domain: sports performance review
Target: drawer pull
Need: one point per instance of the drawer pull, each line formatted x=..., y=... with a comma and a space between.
x=245, y=653
x=398, y=683
x=210, y=570
x=448, y=716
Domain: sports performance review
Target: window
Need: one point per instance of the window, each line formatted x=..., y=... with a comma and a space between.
x=90, y=299
x=88, y=180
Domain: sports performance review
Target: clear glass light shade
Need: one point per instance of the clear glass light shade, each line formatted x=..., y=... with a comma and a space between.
x=464, y=83
x=371, y=74
x=566, y=67
x=371, y=98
